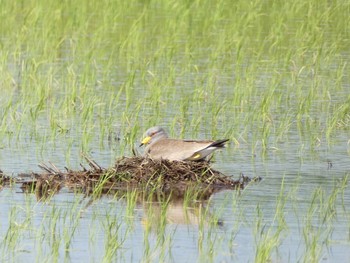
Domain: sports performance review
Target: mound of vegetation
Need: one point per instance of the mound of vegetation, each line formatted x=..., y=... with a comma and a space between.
x=130, y=172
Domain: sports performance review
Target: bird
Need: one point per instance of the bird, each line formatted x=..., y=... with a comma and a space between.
x=159, y=146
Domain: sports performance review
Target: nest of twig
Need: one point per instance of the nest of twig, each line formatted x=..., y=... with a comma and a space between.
x=143, y=173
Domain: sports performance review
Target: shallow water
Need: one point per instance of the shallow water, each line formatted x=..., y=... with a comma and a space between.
x=299, y=209
x=184, y=239
x=304, y=169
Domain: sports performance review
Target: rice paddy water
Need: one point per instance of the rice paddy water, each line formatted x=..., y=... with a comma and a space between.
x=91, y=76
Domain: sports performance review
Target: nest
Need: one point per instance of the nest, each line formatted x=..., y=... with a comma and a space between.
x=131, y=172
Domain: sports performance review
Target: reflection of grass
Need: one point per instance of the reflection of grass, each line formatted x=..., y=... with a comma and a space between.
x=320, y=219
x=10, y=240
x=114, y=237
x=57, y=230
x=269, y=235
x=317, y=223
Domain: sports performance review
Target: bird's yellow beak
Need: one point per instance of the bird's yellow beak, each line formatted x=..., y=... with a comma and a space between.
x=145, y=140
